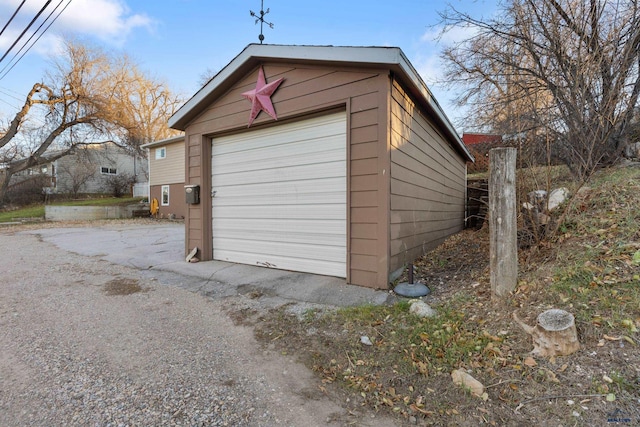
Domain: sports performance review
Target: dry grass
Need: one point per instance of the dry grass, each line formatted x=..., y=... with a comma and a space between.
x=592, y=269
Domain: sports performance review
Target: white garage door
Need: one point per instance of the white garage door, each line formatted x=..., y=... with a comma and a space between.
x=280, y=196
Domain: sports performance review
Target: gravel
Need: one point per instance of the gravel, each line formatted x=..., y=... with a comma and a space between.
x=76, y=352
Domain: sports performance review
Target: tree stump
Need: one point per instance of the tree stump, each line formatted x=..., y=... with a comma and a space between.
x=555, y=333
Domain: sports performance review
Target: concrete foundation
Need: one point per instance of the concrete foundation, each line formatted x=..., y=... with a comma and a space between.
x=83, y=213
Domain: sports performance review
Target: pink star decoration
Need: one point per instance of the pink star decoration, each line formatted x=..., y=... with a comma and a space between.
x=260, y=97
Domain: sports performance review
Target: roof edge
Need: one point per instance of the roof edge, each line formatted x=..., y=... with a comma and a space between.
x=165, y=141
x=391, y=57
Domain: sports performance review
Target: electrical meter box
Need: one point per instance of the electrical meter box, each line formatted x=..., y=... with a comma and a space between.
x=192, y=194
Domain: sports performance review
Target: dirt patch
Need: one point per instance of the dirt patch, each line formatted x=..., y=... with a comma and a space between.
x=598, y=385
x=122, y=287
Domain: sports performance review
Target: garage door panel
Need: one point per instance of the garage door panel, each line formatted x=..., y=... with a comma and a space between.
x=270, y=189
x=275, y=199
x=296, y=154
x=280, y=196
x=314, y=266
x=265, y=249
x=226, y=226
x=273, y=175
x=289, y=212
x=285, y=134
x=323, y=239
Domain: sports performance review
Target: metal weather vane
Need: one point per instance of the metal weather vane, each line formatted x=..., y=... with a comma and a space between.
x=260, y=18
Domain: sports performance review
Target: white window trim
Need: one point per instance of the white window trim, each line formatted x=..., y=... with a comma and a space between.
x=161, y=153
x=162, y=203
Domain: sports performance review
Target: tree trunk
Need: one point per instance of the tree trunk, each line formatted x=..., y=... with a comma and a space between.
x=4, y=185
x=555, y=333
x=503, y=249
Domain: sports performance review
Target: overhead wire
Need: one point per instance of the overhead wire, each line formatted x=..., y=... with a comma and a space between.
x=25, y=30
x=31, y=37
x=12, y=16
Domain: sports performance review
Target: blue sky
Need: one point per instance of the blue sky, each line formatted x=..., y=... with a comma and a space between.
x=179, y=40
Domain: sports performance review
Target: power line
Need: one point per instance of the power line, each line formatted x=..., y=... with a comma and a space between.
x=36, y=40
x=12, y=16
x=26, y=29
x=4, y=91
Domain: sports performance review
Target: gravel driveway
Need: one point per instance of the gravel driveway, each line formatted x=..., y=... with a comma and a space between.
x=89, y=342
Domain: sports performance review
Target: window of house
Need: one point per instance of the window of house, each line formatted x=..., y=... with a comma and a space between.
x=165, y=195
x=43, y=169
x=108, y=171
x=161, y=153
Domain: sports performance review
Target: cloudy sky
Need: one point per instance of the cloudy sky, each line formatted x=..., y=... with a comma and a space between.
x=180, y=40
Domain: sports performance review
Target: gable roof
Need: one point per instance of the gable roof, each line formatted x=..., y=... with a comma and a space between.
x=391, y=58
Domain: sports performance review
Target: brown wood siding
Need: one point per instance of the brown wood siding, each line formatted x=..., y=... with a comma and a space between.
x=198, y=217
x=177, y=205
x=169, y=170
x=309, y=90
x=427, y=183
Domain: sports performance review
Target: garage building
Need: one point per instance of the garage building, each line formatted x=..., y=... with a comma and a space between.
x=321, y=159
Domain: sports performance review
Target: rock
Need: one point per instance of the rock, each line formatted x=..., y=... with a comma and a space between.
x=421, y=309
x=365, y=340
x=466, y=381
x=557, y=197
x=632, y=151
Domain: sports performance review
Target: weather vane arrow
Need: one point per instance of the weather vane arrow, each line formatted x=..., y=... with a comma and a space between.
x=260, y=19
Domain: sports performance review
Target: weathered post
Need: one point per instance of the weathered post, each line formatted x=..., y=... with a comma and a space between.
x=502, y=221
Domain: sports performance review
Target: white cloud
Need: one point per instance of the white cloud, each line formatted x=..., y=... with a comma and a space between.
x=110, y=21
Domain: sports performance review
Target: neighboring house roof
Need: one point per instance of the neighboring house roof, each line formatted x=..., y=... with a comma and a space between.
x=166, y=141
x=391, y=58
x=481, y=138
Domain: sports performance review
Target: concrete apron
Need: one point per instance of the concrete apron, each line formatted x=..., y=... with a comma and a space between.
x=158, y=251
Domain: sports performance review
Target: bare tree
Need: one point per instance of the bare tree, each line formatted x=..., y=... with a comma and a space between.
x=89, y=97
x=560, y=70
x=78, y=172
x=145, y=106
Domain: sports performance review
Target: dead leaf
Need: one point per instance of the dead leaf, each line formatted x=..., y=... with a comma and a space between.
x=607, y=337
x=530, y=361
x=422, y=411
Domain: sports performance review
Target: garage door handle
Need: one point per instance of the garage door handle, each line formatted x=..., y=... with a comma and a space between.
x=213, y=193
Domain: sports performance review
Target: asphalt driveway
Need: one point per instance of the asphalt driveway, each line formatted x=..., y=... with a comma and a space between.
x=158, y=250
x=106, y=324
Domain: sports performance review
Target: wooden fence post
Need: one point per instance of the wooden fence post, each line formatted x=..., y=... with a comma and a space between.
x=502, y=221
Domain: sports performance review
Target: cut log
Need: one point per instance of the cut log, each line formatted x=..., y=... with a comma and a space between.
x=555, y=333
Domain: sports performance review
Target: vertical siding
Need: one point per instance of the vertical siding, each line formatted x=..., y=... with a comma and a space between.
x=169, y=170
x=427, y=183
x=364, y=194
x=198, y=172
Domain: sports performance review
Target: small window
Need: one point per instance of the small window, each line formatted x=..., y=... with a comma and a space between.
x=43, y=169
x=165, y=195
x=108, y=171
x=161, y=153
